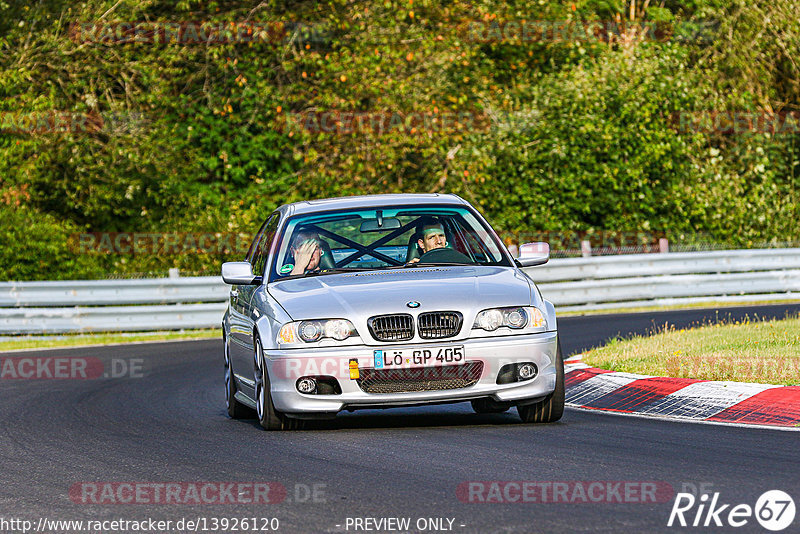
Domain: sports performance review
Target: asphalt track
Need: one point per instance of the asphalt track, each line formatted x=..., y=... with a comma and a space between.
x=169, y=425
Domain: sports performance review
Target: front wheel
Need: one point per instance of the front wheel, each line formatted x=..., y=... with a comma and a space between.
x=551, y=408
x=236, y=410
x=268, y=416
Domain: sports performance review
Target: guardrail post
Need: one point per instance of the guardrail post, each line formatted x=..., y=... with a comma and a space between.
x=663, y=245
x=174, y=272
x=586, y=248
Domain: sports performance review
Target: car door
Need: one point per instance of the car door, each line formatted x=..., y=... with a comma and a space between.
x=243, y=360
x=241, y=349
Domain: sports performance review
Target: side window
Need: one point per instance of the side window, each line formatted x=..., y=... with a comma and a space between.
x=254, y=245
x=261, y=252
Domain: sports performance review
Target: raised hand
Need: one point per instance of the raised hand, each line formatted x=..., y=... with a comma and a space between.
x=302, y=256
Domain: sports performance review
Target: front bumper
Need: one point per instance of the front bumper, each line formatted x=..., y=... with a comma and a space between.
x=286, y=366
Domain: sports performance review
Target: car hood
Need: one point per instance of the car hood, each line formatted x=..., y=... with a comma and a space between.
x=358, y=296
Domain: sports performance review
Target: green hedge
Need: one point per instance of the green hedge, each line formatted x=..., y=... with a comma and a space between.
x=575, y=135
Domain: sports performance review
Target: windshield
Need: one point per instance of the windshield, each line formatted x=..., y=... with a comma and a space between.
x=377, y=238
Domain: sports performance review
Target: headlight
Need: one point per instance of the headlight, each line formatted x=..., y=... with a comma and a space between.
x=489, y=320
x=311, y=331
x=339, y=329
x=515, y=318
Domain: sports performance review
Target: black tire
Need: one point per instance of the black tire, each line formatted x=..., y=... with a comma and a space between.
x=236, y=410
x=484, y=406
x=551, y=408
x=268, y=416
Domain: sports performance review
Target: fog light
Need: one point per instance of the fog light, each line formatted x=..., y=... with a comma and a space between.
x=526, y=371
x=306, y=385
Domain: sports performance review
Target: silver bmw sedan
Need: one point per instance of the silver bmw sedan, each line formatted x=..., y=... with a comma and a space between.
x=385, y=301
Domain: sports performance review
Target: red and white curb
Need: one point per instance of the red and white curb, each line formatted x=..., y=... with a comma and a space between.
x=681, y=398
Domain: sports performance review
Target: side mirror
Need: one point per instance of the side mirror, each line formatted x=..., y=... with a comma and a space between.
x=531, y=254
x=238, y=273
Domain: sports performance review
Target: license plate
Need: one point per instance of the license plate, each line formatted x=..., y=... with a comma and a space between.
x=419, y=357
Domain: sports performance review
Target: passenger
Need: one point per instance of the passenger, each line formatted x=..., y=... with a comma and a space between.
x=307, y=252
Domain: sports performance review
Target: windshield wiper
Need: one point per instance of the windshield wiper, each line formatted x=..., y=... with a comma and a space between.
x=436, y=264
x=384, y=268
x=388, y=267
x=336, y=270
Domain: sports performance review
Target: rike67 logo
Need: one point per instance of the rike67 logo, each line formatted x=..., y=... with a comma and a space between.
x=774, y=510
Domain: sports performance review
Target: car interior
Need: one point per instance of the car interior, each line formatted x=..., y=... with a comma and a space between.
x=392, y=248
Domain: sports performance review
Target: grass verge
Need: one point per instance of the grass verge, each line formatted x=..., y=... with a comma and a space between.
x=85, y=340
x=672, y=307
x=742, y=351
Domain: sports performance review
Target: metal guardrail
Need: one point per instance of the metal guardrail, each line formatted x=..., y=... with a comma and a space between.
x=636, y=265
x=113, y=292
x=110, y=318
x=624, y=292
x=605, y=282
x=645, y=280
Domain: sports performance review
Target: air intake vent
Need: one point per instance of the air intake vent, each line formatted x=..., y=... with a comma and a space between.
x=420, y=379
x=438, y=325
x=399, y=327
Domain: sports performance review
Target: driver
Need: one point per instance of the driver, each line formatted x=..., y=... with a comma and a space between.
x=307, y=253
x=431, y=237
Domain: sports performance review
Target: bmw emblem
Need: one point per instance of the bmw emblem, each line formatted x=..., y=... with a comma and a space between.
x=413, y=304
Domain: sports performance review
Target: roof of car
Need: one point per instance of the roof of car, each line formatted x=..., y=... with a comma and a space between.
x=368, y=201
